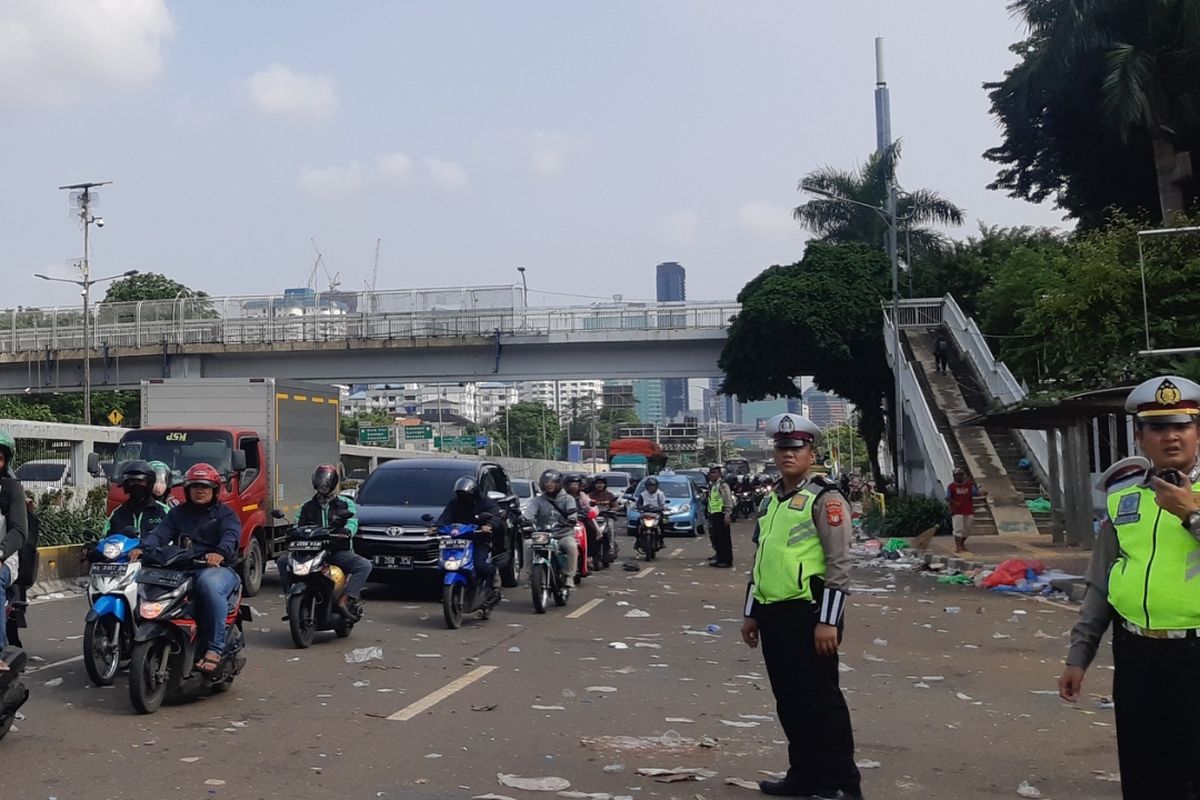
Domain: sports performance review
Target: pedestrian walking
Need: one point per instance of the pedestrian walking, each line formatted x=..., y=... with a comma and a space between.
x=961, y=494
x=795, y=605
x=941, y=353
x=720, y=517
x=1142, y=579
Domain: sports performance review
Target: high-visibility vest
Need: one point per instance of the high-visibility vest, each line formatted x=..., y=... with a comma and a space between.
x=789, y=550
x=716, y=502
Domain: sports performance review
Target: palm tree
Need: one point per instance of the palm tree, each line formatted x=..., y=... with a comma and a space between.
x=842, y=223
x=1145, y=55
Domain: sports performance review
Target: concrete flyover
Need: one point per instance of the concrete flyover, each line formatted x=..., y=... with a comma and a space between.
x=223, y=340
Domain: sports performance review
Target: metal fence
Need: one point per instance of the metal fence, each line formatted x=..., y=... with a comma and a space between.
x=300, y=317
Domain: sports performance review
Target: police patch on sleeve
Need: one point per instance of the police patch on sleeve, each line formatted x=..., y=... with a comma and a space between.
x=835, y=514
x=1127, y=509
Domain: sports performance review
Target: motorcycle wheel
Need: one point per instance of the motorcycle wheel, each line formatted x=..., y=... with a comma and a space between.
x=510, y=576
x=302, y=610
x=562, y=594
x=453, y=597
x=538, y=580
x=102, y=649
x=18, y=695
x=146, y=690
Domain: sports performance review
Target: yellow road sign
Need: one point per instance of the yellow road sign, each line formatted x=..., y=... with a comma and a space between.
x=115, y=417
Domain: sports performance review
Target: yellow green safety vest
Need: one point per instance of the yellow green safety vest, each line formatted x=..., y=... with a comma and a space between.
x=716, y=503
x=789, y=551
x=1155, y=581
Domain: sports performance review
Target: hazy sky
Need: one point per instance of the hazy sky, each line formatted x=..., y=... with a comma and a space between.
x=587, y=141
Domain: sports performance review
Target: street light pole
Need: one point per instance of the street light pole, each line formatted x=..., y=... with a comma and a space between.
x=524, y=288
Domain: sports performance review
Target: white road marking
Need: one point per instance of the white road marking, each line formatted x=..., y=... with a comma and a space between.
x=433, y=698
x=675, y=552
x=41, y=667
x=1056, y=604
x=645, y=572
x=586, y=607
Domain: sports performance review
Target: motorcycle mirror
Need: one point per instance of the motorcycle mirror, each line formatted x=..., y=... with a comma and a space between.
x=93, y=465
x=277, y=514
x=497, y=496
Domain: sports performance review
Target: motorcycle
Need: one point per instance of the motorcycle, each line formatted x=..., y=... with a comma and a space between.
x=581, y=539
x=13, y=692
x=649, y=534
x=462, y=590
x=608, y=551
x=164, y=646
x=112, y=595
x=317, y=586
x=547, y=571
x=745, y=505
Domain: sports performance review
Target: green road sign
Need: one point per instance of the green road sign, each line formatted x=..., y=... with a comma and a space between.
x=412, y=432
x=374, y=435
x=454, y=442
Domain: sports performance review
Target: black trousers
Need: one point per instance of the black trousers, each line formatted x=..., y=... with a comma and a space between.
x=808, y=698
x=719, y=535
x=940, y=362
x=1158, y=715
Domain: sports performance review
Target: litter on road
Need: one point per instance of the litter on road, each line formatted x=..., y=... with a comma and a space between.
x=548, y=784
x=361, y=655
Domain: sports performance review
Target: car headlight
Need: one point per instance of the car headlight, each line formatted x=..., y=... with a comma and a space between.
x=111, y=551
x=683, y=509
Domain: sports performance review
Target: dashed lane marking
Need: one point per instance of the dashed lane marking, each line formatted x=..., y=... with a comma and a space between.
x=586, y=607
x=433, y=698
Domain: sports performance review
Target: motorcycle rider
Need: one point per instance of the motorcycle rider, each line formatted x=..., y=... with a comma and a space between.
x=27, y=568
x=162, y=484
x=16, y=527
x=141, y=513
x=555, y=511
x=318, y=511
x=573, y=483
x=469, y=507
x=213, y=531
x=651, y=498
x=603, y=498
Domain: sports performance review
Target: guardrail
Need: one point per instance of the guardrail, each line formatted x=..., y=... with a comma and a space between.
x=332, y=316
x=941, y=462
x=1002, y=386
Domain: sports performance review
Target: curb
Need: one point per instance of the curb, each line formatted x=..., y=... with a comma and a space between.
x=66, y=586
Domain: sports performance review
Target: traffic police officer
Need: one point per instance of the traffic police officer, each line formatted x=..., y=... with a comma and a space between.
x=720, y=515
x=1143, y=578
x=794, y=605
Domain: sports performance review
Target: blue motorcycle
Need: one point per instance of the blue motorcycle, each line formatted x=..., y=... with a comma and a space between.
x=462, y=590
x=112, y=594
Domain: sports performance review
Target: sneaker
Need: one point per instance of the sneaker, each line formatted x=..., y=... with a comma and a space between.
x=721, y=564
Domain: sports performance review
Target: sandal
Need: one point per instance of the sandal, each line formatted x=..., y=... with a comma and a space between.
x=208, y=665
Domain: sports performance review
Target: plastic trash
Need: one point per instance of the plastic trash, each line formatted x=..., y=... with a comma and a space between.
x=866, y=763
x=894, y=545
x=957, y=580
x=618, y=645
x=737, y=723
x=548, y=784
x=880, y=643
x=361, y=655
x=637, y=613
x=712, y=628
x=671, y=738
x=602, y=689
x=952, y=610
x=54, y=682
x=614, y=768
x=742, y=783
x=1025, y=790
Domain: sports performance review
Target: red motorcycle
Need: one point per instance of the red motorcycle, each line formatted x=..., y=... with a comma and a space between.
x=582, y=540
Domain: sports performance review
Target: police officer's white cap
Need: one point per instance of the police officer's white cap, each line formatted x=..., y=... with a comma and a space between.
x=1121, y=472
x=1168, y=398
x=793, y=430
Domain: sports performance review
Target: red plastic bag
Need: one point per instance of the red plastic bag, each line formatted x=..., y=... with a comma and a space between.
x=1009, y=572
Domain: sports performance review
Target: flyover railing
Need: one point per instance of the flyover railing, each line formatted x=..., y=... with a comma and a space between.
x=329, y=316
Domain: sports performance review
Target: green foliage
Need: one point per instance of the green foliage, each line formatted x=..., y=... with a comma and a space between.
x=148, y=286
x=68, y=407
x=820, y=317
x=850, y=443
x=844, y=223
x=528, y=430
x=62, y=522
x=350, y=423
x=907, y=516
x=1099, y=88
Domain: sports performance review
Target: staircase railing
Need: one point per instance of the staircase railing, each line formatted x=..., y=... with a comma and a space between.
x=1001, y=385
x=937, y=451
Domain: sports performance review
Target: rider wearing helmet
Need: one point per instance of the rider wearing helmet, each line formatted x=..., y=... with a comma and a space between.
x=212, y=530
x=141, y=513
x=162, y=484
x=469, y=507
x=555, y=511
x=326, y=504
x=16, y=527
x=651, y=498
x=573, y=484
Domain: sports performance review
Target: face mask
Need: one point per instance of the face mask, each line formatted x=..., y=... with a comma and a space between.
x=138, y=492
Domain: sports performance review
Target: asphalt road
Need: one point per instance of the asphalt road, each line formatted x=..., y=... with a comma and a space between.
x=954, y=705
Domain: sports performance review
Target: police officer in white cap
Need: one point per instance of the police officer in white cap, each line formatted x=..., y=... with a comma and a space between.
x=1144, y=578
x=794, y=606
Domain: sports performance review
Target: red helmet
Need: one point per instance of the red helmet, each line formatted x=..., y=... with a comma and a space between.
x=202, y=475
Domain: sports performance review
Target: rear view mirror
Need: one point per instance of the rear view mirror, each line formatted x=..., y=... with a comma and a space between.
x=277, y=514
x=497, y=496
x=93, y=465
x=238, y=460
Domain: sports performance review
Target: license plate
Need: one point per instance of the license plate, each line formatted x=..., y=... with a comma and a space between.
x=162, y=577
x=109, y=570
x=305, y=545
x=398, y=562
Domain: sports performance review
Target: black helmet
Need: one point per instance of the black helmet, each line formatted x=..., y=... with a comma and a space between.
x=465, y=485
x=599, y=480
x=325, y=479
x=137, y=478
x=573, y=478
x=550, y=478
x=651, y=483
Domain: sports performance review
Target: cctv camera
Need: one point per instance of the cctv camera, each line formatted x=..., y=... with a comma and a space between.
x=99, y=222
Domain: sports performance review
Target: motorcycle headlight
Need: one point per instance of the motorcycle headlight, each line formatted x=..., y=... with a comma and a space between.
x=541, y=538
x=452, y=564
x=111, y=550
x=649, y=522
x=301, y=568
x=153, y=609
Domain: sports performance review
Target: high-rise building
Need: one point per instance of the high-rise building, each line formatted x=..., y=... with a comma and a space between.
x=826, y=410
x=671, y=285
x=649, y=398
x=564, y=397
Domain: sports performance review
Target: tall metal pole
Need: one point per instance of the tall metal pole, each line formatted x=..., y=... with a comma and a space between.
x=87, y=339
x=883, y=141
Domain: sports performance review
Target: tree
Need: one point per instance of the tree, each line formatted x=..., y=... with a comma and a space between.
x=1103, y=108
x=350, y=423
x=148, y=286
x=851, y=447
x=528, y=430
x=820, y=317
x=844, y=223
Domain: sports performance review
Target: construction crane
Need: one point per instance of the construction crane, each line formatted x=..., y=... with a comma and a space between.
x=335, y=280
x=370, y=285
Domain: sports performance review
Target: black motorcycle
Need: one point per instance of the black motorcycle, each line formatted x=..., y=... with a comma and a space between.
x=609, y=550
x=317, y=585
x=744, y=504
x=165, y=645
x=649, y=534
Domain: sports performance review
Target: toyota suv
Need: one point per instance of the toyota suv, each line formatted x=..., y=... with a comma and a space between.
x=401, y=499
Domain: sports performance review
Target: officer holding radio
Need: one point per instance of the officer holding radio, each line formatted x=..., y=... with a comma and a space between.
x=1144, y=578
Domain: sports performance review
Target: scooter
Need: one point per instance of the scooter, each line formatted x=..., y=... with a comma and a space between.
x=165, y=644
x=112, y=594
x=547, y=571
x=317, y=586
x=608, y=550
x=13, y=692
x=745, y=504
x=649, y=535
x=462, y=590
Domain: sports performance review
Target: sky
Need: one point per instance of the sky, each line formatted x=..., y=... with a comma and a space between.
x=585, y=141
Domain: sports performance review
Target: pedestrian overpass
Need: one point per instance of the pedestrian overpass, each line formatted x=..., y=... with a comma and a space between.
x=359, y=337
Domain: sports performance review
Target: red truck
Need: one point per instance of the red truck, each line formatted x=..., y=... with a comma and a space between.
x=264, y=434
